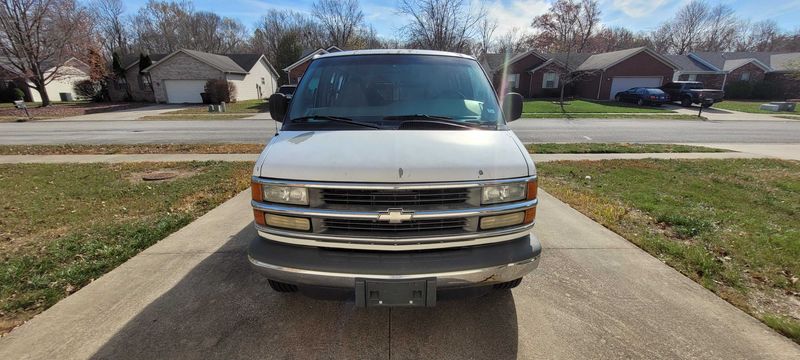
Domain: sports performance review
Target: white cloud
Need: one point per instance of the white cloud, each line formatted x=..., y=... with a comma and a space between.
x=638, y=8
x=515, y=13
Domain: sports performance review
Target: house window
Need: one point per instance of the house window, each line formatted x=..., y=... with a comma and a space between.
x=513, y=81
x=144, y=82
x=745, y=76
x=263, y=81
x=692, y=77
x=550, y=80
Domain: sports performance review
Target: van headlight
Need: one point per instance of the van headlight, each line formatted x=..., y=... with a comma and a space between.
x=503, y=193
x=285, y=194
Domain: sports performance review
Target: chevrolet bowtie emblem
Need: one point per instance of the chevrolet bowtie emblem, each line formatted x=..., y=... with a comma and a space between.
x=395, y=216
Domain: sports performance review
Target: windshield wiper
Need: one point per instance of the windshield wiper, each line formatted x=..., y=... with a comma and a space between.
x=338, y=119
x=432, y=119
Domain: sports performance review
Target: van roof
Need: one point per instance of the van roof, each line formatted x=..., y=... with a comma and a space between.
x=393, y=52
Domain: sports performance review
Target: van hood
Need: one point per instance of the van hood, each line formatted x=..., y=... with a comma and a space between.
x=403, y=156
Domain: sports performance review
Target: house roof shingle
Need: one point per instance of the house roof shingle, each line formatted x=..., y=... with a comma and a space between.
x=785, y=62
x=688, y=64
x=131, y=59
x=245, y=61
x=221, y=62
x=603, y=60
x=571, y=61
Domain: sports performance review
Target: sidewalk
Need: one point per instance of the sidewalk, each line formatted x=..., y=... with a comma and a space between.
x=119, y=158
x=713, y=114
x=128, y=114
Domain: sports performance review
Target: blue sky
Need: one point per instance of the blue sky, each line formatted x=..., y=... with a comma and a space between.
x=634, y=14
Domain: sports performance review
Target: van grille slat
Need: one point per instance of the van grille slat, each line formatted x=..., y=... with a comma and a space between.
x=339, y=225
x=395, y=197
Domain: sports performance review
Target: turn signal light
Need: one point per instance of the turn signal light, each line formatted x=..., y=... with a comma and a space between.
x=533, y=188
x=498, y=221
x=288, y=222
x=258, y=191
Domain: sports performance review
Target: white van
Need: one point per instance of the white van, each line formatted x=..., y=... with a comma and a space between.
x=394, y=176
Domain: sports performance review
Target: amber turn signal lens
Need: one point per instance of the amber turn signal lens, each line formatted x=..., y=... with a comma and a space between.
x=288, y=222
x=498, y=221
x=258, y=192
x=530, y=215
x=259, y=217
x=533, y=189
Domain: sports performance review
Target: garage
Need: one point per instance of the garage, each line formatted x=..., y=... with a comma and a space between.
x=622, y=83
x=184, y=91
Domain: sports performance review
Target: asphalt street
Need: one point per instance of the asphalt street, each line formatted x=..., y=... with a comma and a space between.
x=529, y=130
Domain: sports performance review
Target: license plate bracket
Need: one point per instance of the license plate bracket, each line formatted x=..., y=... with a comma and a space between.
x=413, y=293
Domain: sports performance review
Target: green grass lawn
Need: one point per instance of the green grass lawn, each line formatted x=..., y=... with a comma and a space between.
x=609, y=148
x=244, y=106
x=80, y=149
x=731, y=225
x=584, y=106
x=651, y=116
x=748, y=106
x=66, y=224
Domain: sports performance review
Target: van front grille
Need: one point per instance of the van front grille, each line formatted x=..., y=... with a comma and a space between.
x=408, y=228
x=395, y=198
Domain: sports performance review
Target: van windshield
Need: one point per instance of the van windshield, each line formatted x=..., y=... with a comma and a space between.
x=393, y=92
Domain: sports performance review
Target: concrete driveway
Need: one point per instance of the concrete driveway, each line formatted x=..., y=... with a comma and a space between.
x=127, y=114
x=193, y=295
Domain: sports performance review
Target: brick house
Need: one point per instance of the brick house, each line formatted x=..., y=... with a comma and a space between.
x=778, y=69
x=296, y=70
x=601, y=76
x=592, y=76
x=180, y=77
x=135, y=83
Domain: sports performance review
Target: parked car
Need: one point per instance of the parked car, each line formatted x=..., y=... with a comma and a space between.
x=692, y=92
x=643, y=96
x=394, y=177
x=287, y=90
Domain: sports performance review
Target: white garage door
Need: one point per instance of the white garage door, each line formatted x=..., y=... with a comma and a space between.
x=624, y=83
x=184, y=91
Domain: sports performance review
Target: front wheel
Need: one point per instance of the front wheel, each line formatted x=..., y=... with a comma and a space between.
x=508, y=284
x=687, y=101
x=617, y=98
x=640, y=102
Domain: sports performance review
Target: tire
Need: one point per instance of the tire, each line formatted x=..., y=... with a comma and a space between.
x=686, y=102
x=508, y=285
x=640, y=102
x=617, y=98
x=280, y=287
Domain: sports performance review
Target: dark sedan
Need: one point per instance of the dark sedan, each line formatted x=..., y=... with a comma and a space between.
x=643, y=96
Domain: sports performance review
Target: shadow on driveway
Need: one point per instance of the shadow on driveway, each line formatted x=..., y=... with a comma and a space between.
x=223, y=309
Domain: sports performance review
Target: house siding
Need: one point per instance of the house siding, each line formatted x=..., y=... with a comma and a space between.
x=537, y=81
x=248, y=86
x=641, y=64
x=138, y=92
x=520, y=67
x=180, y=67
x=756, y=73
x=63, y=83
x=296, y=73
x=587, y=83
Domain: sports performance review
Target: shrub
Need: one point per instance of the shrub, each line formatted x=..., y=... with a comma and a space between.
x=739, y=90
x=754, y=90
x=18, y=94
x=87, y=89
x=219, y=90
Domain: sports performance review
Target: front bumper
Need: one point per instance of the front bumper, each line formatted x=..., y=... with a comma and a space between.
x=451, y=268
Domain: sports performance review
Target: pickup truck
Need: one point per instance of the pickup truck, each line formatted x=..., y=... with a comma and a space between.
x=692, y=92
x=393, y=178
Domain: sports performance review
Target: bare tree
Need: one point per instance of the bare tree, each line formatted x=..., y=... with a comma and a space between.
x=615, y=38
x=157, y=26
x=721, y=29
x=511, y=42
x=37, y=36
x=566, y=29
x=686, y=30
x=449, y=25
x=282, y=35
x=111, y=26
x=487, y=26
x=340, y=19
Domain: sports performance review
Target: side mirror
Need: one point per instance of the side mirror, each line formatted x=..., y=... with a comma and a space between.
x=512, y=106
x=278, y=104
